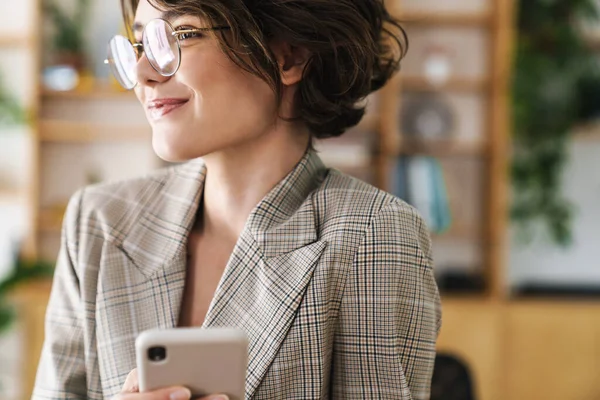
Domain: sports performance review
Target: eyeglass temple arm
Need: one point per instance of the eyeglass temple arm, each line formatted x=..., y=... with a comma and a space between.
x=216, y=28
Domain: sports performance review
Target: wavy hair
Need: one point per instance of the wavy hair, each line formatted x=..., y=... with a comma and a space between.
x=355, y=47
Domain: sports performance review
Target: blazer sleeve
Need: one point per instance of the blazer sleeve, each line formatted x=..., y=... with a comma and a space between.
x=61, y=371
x=389, y=319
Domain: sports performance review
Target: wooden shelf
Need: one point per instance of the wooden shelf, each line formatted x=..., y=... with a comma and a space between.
x=440, y=148
x=9, y=41
x=36, y=291
x=97, y=92
x=483, y=19
x=82, y=132
x=50, y=221
x=369, y=123
x=416, y=83
x=459, y=231
x=11, y=196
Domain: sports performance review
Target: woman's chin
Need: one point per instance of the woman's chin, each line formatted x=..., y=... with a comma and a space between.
x=170, y=150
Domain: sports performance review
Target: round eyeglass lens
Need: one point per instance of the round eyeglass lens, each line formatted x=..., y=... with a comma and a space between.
x=122, y=60
x=161, y=47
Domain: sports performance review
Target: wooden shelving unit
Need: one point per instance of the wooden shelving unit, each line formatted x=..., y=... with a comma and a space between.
x=458, y=19
x=416, y=83
x=441, y=148
x=81, y=132
x=490, y=151
x=100, y=91
x=17, y=41
x=11, y=195
x=432, y=18
x=49, y=221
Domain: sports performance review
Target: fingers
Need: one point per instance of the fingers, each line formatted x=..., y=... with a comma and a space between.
x=131, y=384
x=131, y=391
x=173, y=393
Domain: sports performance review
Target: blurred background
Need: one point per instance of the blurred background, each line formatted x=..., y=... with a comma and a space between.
x=491, y=130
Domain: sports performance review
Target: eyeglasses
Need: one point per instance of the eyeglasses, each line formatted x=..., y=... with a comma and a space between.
x=162, y=46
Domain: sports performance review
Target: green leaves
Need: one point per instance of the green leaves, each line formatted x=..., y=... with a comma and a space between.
x=7, y=316
x=24, y=271
x=554, y=79
x=11, y=112
x=69, y=35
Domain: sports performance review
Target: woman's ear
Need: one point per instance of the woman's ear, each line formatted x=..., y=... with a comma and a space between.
x=291, y=60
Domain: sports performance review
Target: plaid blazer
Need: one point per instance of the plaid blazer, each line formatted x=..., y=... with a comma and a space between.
x=331, y=279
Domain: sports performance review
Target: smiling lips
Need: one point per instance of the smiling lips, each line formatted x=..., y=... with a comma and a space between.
x=160, y=107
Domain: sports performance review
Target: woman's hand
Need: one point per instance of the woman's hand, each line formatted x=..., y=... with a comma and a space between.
x=131, y=391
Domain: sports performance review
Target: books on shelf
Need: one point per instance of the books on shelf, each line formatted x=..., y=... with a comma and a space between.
x=420, y=182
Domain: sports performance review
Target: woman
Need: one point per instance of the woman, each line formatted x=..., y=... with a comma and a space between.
x=330, y=278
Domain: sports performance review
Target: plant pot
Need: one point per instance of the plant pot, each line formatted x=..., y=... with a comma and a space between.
x=75, y=60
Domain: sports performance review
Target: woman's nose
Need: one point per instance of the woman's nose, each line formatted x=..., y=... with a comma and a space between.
x=146, y=74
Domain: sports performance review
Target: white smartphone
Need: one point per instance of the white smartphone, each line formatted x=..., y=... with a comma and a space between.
x=206, y=361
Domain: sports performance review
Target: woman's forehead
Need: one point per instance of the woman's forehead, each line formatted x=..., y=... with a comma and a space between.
x=146, y=12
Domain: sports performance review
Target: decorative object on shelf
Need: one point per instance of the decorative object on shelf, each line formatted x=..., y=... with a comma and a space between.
x=61, y=78
x=554, y=71
x=68, y=45
x=24, y=271
x=11, y=112
x=427, y=116
x=437, y=65
x=420, y=182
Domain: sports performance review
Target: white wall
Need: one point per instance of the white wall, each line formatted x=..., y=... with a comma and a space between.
x=580, y=264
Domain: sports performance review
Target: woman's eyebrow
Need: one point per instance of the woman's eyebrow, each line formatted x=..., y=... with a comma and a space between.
x=168, y=16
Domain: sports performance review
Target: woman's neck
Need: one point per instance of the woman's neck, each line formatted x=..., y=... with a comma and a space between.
x=238, y=179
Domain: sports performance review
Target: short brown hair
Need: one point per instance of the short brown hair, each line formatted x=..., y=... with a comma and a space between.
x=355, y=47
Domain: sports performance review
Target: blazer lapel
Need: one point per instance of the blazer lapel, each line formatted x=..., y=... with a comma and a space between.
x=141, y=284
x=160, y=235
x=270, y=268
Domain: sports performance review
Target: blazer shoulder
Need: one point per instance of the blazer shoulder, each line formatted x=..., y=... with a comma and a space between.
x=341, y=192
x=109, y=207
x=345, y=203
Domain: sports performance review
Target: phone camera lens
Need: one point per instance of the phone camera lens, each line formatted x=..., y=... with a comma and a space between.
x=157, y=353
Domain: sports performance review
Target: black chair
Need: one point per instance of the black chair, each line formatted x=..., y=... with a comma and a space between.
x=451, y=379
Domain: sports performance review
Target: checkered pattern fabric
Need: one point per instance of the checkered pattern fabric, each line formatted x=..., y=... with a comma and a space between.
x=331, y=279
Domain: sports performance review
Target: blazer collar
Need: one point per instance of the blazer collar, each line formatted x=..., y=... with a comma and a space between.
x=159, y=236
x=282, y=221
x=285, y=220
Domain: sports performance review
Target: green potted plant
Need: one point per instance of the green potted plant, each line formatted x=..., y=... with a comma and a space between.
x=24, y=271
x=68, y=40
x=554, y=90
x=11, y=112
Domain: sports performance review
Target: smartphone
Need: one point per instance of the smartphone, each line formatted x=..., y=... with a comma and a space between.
x=206, y=361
